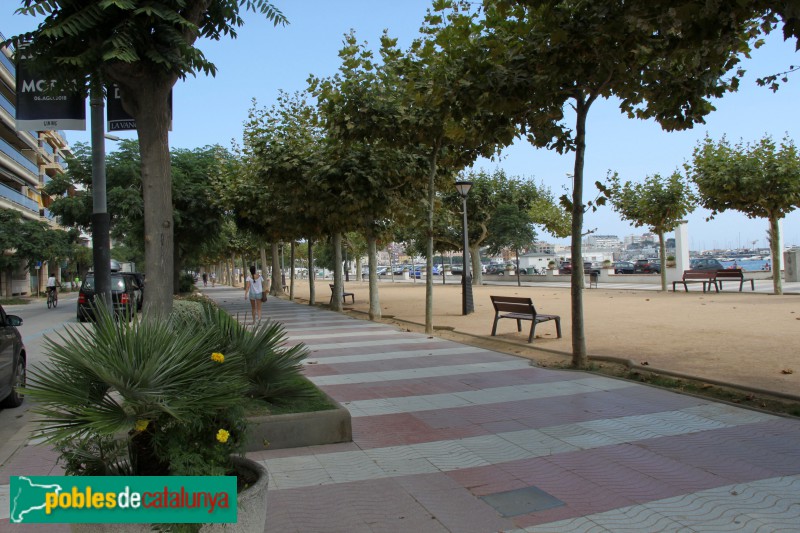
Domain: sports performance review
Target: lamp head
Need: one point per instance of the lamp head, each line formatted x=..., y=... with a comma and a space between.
x=463, y=187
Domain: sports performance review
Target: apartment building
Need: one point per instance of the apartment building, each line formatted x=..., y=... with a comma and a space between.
x=28, y=161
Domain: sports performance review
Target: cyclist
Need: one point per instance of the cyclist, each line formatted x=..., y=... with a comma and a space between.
x=52, y=285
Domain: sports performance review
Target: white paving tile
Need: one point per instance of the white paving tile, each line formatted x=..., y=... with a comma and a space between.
x=492, y=395
x=383, y=356
x=419, y=373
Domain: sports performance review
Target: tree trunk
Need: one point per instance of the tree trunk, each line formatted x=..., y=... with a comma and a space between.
x=662, y=253
x=262, y=252
x=429, y=236
x=477, y=267
x=338, y=284
x=151, y=100
x=233, y=280
x=475, y=261
x=176, y=271
x=374, y=300
x=777, y=255
x=291, y=270
x=580, y=358
x=275, y=285
x=312, y=274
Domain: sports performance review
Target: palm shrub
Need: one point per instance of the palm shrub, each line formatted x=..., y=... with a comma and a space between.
x=144, y=398
x=271, y=367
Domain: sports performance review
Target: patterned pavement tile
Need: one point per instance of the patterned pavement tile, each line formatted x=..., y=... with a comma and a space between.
x=622, y=457
x=393, y=356
x=415, y=372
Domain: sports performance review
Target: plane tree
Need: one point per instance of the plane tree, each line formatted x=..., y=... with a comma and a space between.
x=25, y=241
x=660, y=59
x=196, y=219
x=492, y=193
x=659, y=203
x=761, y=180
x=145, y=50
x=443, y=73
x=370, y=170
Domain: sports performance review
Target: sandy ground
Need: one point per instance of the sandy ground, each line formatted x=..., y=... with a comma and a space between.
x=744, y=338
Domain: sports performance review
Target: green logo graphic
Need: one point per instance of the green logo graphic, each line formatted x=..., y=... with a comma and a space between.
x=122, y=499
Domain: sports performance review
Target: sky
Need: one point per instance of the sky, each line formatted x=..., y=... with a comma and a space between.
x=264, y=60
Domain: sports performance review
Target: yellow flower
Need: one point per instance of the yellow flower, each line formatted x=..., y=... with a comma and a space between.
x=141, y=425
x=217, y=357
x=222, y=436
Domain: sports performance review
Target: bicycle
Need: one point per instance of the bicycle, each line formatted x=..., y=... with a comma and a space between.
x=52, y=298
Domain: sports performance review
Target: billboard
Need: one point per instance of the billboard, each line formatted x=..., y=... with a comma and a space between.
x=39, y=108
x=117, y=119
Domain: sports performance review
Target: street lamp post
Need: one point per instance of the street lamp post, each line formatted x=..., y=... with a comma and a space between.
x=101, y=220
x=467, y=305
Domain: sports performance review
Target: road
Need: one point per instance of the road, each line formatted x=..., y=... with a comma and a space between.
x=38, y=322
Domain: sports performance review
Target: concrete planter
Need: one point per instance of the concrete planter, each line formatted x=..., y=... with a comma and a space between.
x=275, y=432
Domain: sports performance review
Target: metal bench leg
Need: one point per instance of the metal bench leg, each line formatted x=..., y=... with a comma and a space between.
x=558, y=326
x=519, y=325
x=533, y=329
x=494, y=326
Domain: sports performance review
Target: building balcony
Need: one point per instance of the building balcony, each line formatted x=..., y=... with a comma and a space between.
x=16, y=197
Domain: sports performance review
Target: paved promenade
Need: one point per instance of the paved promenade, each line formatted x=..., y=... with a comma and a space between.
x=448, y=437
x=452, y=438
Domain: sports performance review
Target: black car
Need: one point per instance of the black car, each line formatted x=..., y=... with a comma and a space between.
x=706, y=263
x=123, y=296
x=138, y=287
x=566, y=268
x=12, y=360
x=652, y=267
x=647, y=266
x=623, y=267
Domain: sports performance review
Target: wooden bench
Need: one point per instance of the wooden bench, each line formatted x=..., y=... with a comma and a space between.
x=520, y=309
x=344, y=295
x=706, y=277
x=734, y=274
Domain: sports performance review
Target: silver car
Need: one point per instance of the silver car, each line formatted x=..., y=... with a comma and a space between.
x=12, y=360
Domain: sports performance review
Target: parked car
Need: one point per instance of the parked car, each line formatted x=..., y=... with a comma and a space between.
x=12, y=360
x=123, y=296
x=496, y=269
x=623, y=267
x=647, y=266
x=138, y=287
x=566, y=268
x=705, y=263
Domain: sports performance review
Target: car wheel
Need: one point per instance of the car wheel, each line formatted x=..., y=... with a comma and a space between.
x=16, y=397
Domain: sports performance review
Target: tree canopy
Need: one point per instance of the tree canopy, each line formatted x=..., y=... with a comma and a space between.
x=144, y=49
x=658, y=203
x=761, y=180
x=662, y=59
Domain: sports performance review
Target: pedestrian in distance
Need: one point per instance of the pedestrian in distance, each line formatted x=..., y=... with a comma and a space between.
x=254, y=291
x=205, y=279
x=213, y=279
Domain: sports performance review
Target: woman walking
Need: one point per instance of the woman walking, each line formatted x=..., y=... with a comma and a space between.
x=253, y=291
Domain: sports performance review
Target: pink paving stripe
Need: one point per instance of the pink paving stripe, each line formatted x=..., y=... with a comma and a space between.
x=383, y=348
x=445, y=424
x=423, y=361
x=435, y=385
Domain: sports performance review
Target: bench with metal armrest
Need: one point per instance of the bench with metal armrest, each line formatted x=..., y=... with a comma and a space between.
x=520, y=309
